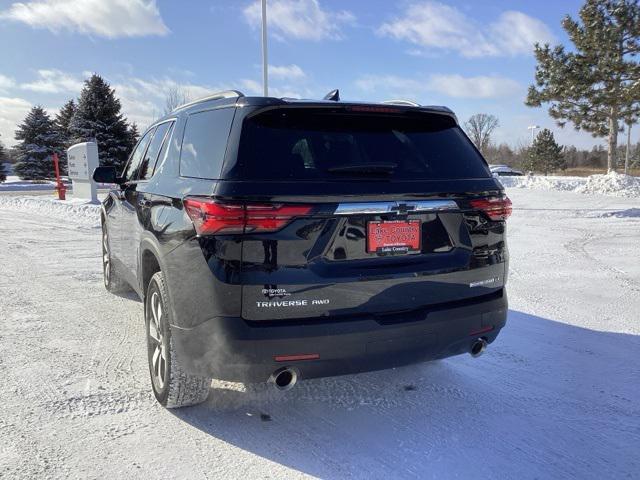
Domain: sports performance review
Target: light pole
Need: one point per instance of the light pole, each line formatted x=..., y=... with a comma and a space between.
x=626, y=156
x=265, y=66
x=533, y=129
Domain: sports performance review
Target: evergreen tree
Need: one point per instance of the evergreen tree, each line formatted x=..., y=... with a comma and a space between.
x=134, y=134
x=545, y=155
x=98, y=118
x=3, y=159
x=63, y=123
x=596, y=84
x=38, y=138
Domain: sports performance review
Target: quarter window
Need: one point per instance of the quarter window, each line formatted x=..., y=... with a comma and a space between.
x=204, y=143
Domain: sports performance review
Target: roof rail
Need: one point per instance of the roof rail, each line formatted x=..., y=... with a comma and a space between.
x=213, y=96
x=406, y=103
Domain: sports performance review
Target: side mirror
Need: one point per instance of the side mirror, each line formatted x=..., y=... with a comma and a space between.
x=106, y=175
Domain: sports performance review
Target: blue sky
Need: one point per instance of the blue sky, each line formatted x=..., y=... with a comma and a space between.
x=473, y=56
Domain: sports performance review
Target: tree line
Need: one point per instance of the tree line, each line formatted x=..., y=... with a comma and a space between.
x=544, y=154
x=95, y=116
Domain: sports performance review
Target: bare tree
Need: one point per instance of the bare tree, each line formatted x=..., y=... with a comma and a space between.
x=174, y=97
x=479, y=128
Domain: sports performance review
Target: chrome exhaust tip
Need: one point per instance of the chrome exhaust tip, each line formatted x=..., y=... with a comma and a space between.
x=478, y=347
x=284, y=378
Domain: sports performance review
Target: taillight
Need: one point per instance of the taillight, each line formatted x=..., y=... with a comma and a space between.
x=209, y=216
x=270, y=218
x=496, y=208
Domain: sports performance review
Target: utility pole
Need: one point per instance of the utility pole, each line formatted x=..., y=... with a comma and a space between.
x=265, y=64
x=533, y=130
x=626, y=157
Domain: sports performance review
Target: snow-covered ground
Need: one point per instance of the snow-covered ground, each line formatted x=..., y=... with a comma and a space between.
x=15, y=184
x=556, y=396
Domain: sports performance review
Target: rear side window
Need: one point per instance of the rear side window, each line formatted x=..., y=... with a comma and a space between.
x=149, y=161
x=205, y=142
x=133, y=166
x=307, y=144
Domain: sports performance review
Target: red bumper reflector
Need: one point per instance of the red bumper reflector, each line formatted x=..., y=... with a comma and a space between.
x=293, y=358
x=482, y=330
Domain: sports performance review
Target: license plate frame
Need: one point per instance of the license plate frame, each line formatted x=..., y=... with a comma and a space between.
x=383, y=237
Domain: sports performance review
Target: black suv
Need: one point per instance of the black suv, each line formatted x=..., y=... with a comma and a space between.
x=279, y=239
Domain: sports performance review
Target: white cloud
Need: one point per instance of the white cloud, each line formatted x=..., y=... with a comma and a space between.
x=515, y=33
x=393, y=84
x=12, y=112
x=251, y=87
x=433, y=25
x=288, y=72
x=110, y=19
x=299, y=19
x=481, y=86
x=53, y=81
x=6, y=83
x=455, y=86
x=142, y=99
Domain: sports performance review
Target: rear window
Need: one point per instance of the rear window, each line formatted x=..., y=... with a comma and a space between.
x=302, y=144
x=205, y=142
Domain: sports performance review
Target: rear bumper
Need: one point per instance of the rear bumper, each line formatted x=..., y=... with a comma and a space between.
x=230, y=348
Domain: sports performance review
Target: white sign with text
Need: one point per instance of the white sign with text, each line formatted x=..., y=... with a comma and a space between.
x=82, y=160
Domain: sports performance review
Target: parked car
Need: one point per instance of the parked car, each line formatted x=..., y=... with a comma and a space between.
x=505, y=171
x=277, y=240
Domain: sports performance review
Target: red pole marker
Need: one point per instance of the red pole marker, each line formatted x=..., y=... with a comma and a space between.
x=59, y=185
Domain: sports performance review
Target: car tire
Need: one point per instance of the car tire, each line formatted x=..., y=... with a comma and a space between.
x=113, y=281
x=172, y=386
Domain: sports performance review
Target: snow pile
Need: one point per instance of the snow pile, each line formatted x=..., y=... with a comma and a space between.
x=614, y=184
x=567, y=184
x=76, y=211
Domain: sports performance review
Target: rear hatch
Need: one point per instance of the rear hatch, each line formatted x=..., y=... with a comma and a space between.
x=363, y=211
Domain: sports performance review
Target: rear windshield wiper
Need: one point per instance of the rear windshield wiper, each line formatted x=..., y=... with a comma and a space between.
x=374, y=168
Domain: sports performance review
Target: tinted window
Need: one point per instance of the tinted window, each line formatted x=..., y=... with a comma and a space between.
x=205, y=142
x=149, y=162
x=131, y=170
x=311, y=144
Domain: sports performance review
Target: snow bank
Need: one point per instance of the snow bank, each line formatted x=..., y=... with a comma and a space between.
x=568, y=184
x=15, y=184
x=612, y=184
x=75, y=210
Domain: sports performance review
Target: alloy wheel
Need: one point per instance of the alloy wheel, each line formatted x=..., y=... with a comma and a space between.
x=106, y=260
x=157, y=343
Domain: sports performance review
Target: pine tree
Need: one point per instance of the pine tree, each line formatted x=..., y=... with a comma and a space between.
x=545, y=155
x=38, y=138
x=596, y=84
x=134, y=134
x=98, y=118
x=3, y=159
x=63, y=123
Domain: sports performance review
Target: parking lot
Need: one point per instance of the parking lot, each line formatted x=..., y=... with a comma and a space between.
x=555, y=396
